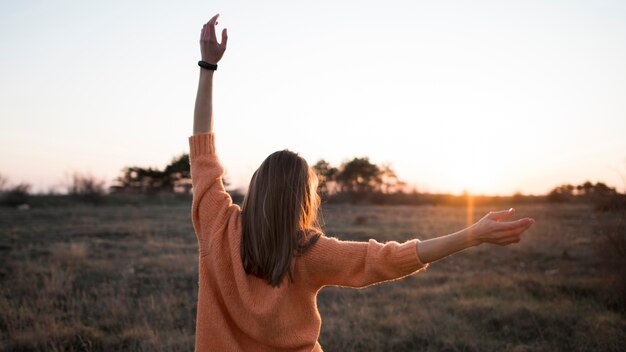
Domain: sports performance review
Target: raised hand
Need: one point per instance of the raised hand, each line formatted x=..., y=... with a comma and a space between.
x=490, y=229
x=211, y=50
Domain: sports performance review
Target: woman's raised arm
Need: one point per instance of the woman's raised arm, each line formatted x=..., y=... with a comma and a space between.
x=212, y=52
x=212, y=206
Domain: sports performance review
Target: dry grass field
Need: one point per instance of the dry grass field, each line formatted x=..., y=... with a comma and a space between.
x=119, y=278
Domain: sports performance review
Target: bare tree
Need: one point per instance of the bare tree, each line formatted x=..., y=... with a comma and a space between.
x=3, y=182
x=87, y=187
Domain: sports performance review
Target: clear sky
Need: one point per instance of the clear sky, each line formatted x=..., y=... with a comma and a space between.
x=490, y=96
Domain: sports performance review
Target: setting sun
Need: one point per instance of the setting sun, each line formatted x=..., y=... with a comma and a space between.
x=473, y=175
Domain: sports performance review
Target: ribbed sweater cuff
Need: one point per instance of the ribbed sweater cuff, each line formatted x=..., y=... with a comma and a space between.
x=408, y=257
x=201, y=144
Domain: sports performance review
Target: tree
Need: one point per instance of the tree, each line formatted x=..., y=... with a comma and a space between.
x=561, y=193
x=135, y=179
x=600, y=189
x=177, y=175
x=326, y=175
x=359, y=175
x=390, y=181
x=585, y=188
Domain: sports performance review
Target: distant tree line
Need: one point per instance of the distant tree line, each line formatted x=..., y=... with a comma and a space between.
x=567, y=192
x=175, y=177
x=603, y=196
x=357, y=180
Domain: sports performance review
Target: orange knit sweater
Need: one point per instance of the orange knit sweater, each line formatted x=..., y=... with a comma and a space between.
x=240, y=312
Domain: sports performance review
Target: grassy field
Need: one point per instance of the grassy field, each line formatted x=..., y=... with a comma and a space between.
x=125, y=278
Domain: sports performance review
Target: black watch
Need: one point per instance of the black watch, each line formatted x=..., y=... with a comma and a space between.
x=207, y=65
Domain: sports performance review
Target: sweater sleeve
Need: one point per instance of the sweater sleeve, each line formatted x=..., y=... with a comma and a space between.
x=359, y=264
x=211, y=204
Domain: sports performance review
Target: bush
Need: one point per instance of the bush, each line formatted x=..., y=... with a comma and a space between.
x=613, y=202
x=14, y=196
x=87, y=188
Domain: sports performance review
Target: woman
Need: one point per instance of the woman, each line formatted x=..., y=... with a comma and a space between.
x=262, y=265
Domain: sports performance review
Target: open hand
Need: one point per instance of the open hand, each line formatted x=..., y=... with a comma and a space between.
x=491, y=229
x=211, y=50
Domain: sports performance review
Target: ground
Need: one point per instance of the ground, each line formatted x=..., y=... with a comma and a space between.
x=86, y=278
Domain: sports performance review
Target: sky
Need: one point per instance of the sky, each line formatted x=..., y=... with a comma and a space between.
x=490, y=97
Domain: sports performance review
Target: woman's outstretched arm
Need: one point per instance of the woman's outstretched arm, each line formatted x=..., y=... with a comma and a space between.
x=489, y=229
x=360, y=264
x=212, y=52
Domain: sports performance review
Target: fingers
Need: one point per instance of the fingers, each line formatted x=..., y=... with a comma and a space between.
x=212, y=37
x=513, y=232
x=211, y=25
x=208, y=32
x=512, y=236
x=213, y=20
x=501, y=215
x=224, y=38
x=202, y=32
x=500, y=226
x=505, y=237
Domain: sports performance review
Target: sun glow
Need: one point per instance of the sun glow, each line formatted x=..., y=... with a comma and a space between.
x=472, y=175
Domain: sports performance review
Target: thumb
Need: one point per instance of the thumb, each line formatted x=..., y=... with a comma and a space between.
x=224, y=38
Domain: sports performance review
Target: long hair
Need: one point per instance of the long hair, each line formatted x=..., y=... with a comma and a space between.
x=279, y=216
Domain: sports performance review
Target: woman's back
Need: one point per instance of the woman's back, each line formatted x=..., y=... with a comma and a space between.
x=238, y=311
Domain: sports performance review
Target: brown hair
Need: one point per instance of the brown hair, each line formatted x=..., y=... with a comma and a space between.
x=279, y=216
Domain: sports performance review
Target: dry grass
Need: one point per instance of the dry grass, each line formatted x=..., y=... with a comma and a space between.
x=125, y=278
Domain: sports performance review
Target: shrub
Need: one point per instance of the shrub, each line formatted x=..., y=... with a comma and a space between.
x=613, y=202
x=87, y=188
x=15, y=195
